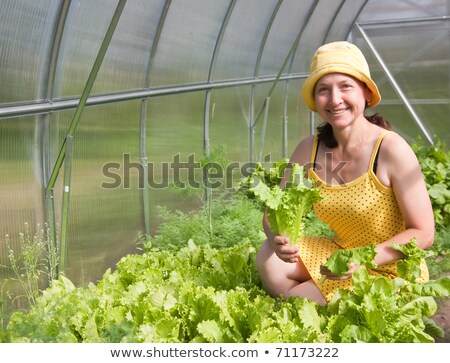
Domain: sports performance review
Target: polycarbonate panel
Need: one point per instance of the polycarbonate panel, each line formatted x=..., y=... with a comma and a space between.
x=174, y=145
x=285, y=29
x=230, y=122
x=382, y=10
x=20, y=182
x=230, y=125
x=269, y=132
x=105, y=215
x=127, y=60
x=344, y=19
x=315, y=33
x=284, y=112
x=416, y=54
x=84, y=31
x=187, y=41
x=26, y=35
x=241, y=43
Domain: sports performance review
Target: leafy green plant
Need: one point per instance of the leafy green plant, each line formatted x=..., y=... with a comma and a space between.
x=409, y=267
x=339, y=262
x=193, y=292
x=203, y=294
x=232, y=217
x=435, y=163
x=286, y=207
x=270, y=176
x=439, y=264
x=378, y=309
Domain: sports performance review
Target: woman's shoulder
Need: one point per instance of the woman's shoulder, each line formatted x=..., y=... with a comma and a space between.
x=395, y=145
x=396, y=152
x=302, y=152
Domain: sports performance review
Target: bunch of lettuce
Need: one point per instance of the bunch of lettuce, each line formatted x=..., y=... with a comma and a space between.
x=339, y=262
x=408, y=268
x=286, y=207
x=270, y=176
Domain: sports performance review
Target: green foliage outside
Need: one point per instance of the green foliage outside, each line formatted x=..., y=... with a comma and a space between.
x=435, y=163
x=195, y=281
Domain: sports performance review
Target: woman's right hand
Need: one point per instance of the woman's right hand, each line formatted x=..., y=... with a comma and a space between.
x=283, y=249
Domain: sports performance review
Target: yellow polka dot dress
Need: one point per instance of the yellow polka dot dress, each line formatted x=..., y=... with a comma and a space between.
x=361, y=212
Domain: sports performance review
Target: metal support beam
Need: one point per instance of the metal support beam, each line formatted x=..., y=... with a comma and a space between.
x=395, y=85
x=263, y=129
x=143, y=120
x=65, y=206
x=207, y=107
x=87, y=90
x=33, y=108
x=67, y=147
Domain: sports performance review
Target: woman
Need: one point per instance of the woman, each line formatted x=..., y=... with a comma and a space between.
x=373, y=186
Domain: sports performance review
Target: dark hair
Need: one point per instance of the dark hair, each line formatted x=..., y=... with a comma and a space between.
x=325, y=131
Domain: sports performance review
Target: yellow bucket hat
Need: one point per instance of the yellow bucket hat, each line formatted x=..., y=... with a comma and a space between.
x=338, y=57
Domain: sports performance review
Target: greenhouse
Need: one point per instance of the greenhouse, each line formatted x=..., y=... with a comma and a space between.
x=125, y=126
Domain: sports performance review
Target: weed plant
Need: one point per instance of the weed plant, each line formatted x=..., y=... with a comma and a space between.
x=33, y=266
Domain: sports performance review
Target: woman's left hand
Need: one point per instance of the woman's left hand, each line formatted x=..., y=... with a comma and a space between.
x=352, y=267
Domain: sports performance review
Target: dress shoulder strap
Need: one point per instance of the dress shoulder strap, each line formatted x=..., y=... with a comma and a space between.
x=374, y=156
x=314, y=149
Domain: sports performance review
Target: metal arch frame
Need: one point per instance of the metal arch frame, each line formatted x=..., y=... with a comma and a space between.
x=251, y=106
x=406, y=20
x=86, y=91
x=212, y=66
x=349, y=30
x=41, y=162
x=207, y=104
x=143, y=119
x=286, y=89
x=43, y=126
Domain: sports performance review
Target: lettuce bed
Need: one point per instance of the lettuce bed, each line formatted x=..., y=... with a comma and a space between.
x=195, y=293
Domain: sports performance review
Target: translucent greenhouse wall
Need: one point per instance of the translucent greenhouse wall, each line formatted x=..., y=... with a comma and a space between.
x=179, y=79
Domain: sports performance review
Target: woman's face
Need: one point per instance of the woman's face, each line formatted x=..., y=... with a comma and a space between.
x=340, y=99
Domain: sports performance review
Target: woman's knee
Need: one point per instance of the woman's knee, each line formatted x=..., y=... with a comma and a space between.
x=262, y=255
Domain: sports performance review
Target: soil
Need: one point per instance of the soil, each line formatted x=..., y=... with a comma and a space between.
x=442, y=318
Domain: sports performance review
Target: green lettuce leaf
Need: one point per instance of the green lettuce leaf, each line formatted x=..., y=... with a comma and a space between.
x=287, y=207
x=409, y=267
x=338, y=263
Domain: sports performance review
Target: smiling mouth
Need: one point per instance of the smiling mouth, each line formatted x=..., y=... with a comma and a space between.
x=337, y=112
